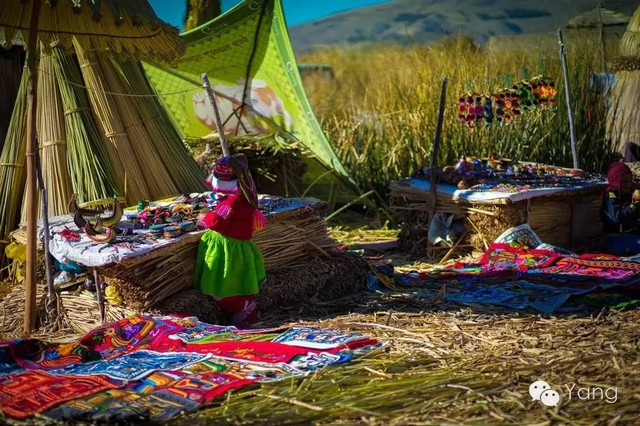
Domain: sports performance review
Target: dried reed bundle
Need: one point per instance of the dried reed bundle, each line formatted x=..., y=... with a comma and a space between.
x=623, y=121
x=12, y=305
x=128, y=170
x=82, y=314
x=144, y=285
x=10, y=74
x=276, y=165
x=318, y=278
x=286, y=241
x=92, y=174
x=12, y=170
x=52, y=141
x=177, y=161
x=485, y=228
x=158, y=181
x=630, y=43
x=191, y=302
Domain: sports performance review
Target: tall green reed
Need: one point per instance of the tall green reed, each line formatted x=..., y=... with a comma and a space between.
x=380, y=112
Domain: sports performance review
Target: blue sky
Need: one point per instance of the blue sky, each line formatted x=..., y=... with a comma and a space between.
x=296, y=11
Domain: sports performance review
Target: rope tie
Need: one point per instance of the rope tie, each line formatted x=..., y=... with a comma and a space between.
x=52, y=143
x=79, y=109
x=114, y=134
x=11, y=165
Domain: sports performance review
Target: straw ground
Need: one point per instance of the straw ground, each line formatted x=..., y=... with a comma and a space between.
x=449, y=364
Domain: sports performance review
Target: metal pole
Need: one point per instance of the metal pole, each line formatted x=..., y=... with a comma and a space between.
x=223, y=138
x=435, y=150
x=30, y=274
x=567, y=91
x=52, y=304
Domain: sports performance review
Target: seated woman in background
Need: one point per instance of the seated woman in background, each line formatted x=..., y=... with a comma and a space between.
x=620, y=210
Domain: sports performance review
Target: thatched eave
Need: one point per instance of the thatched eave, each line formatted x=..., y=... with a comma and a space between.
x=592, y=18
x=124, y=26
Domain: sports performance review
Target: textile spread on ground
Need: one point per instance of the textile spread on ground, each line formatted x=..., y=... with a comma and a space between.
x=153, y=368
x=518, y=271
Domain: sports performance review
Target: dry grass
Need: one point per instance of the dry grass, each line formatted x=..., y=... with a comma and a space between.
x=447, y=364
x=380, y=112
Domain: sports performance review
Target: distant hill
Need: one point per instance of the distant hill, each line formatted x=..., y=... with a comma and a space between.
x=424, y=21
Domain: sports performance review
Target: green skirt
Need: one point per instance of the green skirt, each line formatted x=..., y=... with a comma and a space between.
x=228, y=267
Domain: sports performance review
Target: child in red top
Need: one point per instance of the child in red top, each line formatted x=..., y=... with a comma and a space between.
x=230, y=266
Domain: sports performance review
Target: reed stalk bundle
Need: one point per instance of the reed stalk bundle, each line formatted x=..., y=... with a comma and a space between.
x=128, y=169
x=624, y=122
x=92, y=175
x=276, y=165
x=52, y=141
x=630, y=43
x=158, y=181
x=316, y=278
x=12, y=170
x=180, y=166
x=82, y=314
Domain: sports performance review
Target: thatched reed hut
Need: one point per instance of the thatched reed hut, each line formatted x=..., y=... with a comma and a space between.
x=624, y=115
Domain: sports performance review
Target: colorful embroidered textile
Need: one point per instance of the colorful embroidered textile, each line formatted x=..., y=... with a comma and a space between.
x=266, y=352
x=151, y=369
x=118, y=338
x=502, y=256
x=200, y=331
x=133, y=366
x=23, y=395
x=520, y=236
x=261, y=372
x=608, y=270
x=315, y=338
x=544, y=278
x=159, y=405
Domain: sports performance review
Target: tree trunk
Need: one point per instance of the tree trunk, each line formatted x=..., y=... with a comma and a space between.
x=200, y=12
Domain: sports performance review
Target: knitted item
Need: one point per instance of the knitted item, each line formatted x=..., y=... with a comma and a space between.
x=222, y=177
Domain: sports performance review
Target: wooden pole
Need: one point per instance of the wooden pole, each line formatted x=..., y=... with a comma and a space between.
x=223, y=138
x=602, y=52
x=52, y=304
x=31, y=201
x=99, y=296
x=567, y=92
x=434, y=153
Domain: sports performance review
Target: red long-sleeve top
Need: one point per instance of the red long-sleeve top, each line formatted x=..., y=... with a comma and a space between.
x=234, y=217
